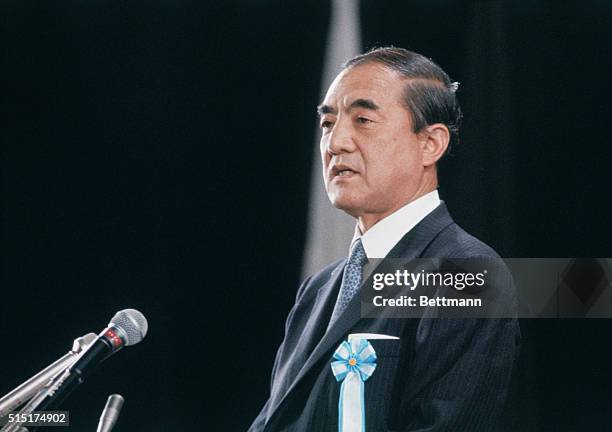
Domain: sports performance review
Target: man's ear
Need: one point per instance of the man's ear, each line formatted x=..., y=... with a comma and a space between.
x=435, y=139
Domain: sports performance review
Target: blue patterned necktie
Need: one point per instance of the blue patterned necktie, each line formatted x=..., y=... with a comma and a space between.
x=351, y=280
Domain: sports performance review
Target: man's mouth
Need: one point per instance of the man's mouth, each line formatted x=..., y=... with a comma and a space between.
x=345, y=172
x=342, y=171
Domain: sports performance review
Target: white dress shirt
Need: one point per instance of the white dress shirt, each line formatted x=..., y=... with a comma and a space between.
x=387, y=232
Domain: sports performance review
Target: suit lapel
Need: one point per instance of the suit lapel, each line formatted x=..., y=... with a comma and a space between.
x=410, y=246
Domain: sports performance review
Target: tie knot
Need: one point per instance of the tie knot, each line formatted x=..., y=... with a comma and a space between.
x=358, y=256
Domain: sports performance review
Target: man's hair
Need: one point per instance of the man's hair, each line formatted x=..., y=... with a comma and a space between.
x=429, y=94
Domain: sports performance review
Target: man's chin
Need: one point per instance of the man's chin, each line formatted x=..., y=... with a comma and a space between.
x=346, y=205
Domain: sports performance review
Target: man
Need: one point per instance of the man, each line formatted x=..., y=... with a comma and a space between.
x=386, y=120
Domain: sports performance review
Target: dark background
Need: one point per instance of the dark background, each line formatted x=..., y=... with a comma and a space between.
x=156, y=155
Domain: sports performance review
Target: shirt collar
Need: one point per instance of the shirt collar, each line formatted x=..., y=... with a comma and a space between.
x=380, y=239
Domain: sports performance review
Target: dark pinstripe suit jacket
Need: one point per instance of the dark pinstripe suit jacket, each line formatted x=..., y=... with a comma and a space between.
x=442, y=375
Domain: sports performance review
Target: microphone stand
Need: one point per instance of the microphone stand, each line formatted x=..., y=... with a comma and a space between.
x=32, y=388
x=43, y=395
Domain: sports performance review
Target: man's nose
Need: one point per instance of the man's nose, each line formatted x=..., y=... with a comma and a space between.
x=341, y=139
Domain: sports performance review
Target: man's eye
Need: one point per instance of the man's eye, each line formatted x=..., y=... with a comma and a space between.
x=326, y=124
x=363, y=120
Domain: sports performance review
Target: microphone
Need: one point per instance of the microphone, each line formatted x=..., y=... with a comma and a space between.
x=127, y=327
x=111, y=413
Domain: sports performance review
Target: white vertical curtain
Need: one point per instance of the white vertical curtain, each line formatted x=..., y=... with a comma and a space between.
x=329, y=229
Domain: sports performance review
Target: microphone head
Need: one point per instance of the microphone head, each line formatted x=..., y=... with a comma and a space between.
x=132, y=323
x=110, y=414
x=115, y=401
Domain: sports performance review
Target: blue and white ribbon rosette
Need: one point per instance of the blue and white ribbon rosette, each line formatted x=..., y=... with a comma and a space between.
x=355, y=362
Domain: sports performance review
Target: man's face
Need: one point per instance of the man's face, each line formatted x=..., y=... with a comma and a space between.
x=372, y=160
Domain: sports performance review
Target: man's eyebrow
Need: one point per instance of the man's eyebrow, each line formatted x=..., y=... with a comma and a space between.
x=325, y=109
x=364, y=103
x=357, y=103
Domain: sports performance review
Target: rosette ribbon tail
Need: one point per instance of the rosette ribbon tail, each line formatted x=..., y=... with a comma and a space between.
x=355, y=362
